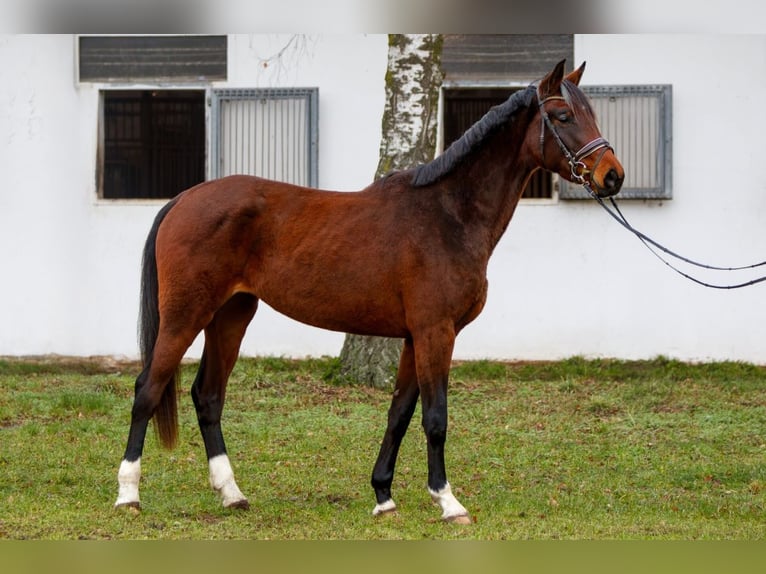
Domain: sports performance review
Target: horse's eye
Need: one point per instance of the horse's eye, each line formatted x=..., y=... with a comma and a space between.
x=564, y=117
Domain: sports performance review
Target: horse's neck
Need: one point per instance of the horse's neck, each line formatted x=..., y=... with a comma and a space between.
x=492, y=183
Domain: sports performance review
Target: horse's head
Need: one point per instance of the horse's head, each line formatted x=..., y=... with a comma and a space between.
x=570, y=143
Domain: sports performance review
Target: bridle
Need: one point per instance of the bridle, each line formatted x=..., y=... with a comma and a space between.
x=579, y=170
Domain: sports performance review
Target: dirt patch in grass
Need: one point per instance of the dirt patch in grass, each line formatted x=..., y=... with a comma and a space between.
x=59, y=364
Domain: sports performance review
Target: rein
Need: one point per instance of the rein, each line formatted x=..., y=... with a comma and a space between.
x=580, y=174
x=651, y=244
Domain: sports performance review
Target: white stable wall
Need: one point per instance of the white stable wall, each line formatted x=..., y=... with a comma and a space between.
x=565, y=280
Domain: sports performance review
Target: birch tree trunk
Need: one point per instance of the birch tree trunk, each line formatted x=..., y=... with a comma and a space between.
x=413, y=80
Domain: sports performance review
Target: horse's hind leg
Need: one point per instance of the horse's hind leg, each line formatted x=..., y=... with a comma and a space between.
x=223, y=336
x=399, y=416
x=129, y=473
x=149, y=388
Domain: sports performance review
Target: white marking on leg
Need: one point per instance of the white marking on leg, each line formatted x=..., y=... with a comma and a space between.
x=384, y=507
x=128, y=477
x=451, y=508
x=222, y=481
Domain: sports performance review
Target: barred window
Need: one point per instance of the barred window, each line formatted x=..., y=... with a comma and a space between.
x=152, y=143
x=637, y=121
x=271, y=133
x=156, y=142
x=462, y=107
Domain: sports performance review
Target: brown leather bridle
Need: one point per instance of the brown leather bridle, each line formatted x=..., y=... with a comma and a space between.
x=578, y=168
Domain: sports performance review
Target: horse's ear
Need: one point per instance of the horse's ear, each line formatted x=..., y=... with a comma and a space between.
x=575, y=76
x=550, y=84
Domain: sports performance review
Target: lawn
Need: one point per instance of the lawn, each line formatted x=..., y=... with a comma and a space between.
x=577, y=449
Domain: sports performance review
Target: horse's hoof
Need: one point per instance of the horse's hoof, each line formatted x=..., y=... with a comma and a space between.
x=133, y=507
x=389, y=512
x=241, y=504
x=383, y=508
x=459, y=519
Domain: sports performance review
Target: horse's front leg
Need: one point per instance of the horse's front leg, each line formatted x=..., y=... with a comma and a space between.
x=433, y=355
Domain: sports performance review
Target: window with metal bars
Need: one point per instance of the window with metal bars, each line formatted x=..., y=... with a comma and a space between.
x=637, y=121
x=462, y=107
x=152, y=143
x=272, y=133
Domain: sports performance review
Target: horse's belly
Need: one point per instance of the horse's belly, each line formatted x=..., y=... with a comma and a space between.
x=339, y=311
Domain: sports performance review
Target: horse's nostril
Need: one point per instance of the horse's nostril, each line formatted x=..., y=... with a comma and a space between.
x=613, y=181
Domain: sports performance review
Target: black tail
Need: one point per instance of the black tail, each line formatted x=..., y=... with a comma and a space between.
x=166, y=414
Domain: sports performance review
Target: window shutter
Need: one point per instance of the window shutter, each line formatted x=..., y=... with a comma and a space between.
x=152, y=58
x=504, y=58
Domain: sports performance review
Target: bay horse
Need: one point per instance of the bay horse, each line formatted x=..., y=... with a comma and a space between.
x=405, y=258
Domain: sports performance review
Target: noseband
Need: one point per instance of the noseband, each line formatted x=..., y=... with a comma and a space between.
x=578, y=168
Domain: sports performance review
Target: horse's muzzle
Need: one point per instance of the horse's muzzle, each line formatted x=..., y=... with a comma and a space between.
x=610, y=185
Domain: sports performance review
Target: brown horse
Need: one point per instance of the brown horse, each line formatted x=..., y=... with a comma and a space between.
x=406, y=257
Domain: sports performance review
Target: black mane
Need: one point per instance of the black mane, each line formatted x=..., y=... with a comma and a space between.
x=432, y=171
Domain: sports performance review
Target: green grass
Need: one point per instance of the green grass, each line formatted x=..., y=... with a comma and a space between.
x=575, y=449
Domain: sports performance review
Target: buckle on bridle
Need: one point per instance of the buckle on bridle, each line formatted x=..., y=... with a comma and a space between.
x=579, y=177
